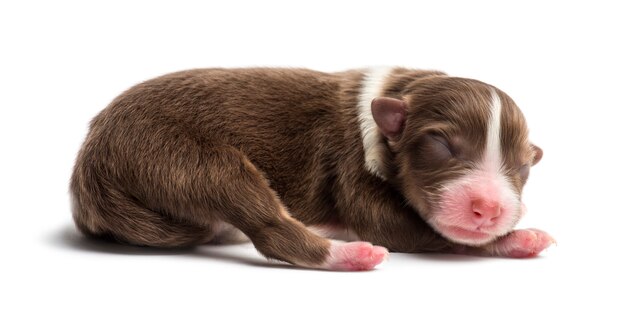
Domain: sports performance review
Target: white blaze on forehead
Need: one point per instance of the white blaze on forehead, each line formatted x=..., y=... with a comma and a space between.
x=372, y=87
x=493, y=157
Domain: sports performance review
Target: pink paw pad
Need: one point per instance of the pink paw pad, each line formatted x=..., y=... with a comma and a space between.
x=524, y=243
x=354, y=256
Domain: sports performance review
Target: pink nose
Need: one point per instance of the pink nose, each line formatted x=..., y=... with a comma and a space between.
x=485, y=212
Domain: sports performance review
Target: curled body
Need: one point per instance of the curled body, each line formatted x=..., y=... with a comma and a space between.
x=401, y=160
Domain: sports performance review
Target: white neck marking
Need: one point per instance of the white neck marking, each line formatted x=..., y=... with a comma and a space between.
x=372, y=87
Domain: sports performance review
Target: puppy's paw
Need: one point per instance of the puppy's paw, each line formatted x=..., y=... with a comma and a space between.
x=354, y=256
x=521, y=244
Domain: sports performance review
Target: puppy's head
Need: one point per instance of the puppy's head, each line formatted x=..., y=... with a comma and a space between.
x=461, y=155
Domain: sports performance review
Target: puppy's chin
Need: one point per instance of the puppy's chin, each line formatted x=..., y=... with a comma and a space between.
x=460, y=235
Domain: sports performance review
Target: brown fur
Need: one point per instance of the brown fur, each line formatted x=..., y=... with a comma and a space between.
x=268, y=151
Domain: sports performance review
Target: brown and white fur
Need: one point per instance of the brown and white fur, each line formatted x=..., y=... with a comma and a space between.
x=415, y=161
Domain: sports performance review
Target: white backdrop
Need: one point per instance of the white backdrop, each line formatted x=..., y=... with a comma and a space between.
x=563, y=62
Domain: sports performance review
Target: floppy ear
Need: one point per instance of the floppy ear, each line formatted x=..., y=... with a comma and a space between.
x=389, y=115
x=538, y=153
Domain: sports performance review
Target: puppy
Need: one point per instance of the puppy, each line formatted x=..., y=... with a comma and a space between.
x=407, y=160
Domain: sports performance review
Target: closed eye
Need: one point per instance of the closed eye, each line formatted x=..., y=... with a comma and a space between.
x=439, y=147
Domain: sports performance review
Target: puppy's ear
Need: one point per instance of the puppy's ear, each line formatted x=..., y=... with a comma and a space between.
x=389, y=115
x=538, y=153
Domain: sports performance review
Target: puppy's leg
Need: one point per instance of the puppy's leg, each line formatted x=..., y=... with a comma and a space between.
x=244, y=199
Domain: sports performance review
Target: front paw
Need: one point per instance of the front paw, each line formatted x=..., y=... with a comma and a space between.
x=521, y=244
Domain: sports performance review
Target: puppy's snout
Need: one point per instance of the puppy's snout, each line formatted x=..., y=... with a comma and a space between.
x=485, y=213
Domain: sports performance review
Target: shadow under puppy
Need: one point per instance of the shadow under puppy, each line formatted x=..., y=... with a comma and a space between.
x=412, y=160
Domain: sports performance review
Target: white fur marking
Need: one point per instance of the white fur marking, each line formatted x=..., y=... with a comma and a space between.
x=492, y=160
x=226, y=233
x=493, y=157
x=372, y=87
